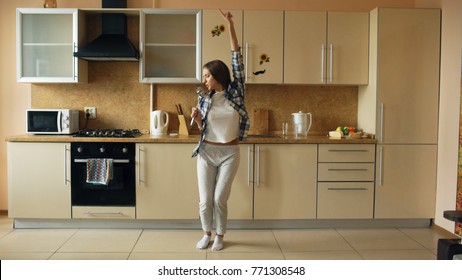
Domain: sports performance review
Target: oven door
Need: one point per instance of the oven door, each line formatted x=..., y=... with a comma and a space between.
x=120, y=191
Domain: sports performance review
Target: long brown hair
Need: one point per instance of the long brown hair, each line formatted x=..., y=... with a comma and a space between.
x=219, y=71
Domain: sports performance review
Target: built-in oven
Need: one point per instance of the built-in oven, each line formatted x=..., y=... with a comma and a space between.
x=119, y=189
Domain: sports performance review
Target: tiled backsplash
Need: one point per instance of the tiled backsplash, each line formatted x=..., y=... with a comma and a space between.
x=122, y=102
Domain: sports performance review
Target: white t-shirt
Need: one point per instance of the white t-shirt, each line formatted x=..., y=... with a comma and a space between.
x=222, y=120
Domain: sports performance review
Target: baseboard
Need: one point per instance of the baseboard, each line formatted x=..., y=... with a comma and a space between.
x=3, y=212
x=444, y=231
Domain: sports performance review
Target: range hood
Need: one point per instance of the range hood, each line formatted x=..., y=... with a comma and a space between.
x=113, y=44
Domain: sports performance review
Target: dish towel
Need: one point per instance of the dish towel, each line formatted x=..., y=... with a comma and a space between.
x=99, y=170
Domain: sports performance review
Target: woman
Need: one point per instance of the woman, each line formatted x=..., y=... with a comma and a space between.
x=223, y=120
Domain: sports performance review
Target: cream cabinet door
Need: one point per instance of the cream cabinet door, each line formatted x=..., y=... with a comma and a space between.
x=408, y=75
x=166, y=179
x=39, y=180
x=347, y=48
x=285, y=181
x=263, y=44
x=305, y=36
x=240, y=203
x=406, y=181
x=215, y=36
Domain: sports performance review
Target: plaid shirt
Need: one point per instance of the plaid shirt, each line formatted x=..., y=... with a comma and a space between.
x=235, y=95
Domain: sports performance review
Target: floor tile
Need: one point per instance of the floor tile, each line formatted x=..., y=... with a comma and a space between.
x=311, y=240
x=25, y=256
x=397, y=255
x=245, y=256
x=323, y=255
x=425, y=236
x=35, y=240
x=101, y=240
x=248, y=241
x=168, y=241
x=378, y=239
x=168, y=256
x=89, y=256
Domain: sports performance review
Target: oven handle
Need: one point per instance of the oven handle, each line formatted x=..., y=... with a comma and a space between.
x=114, y=161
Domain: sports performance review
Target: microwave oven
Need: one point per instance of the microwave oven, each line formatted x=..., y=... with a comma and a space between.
x=52, y=121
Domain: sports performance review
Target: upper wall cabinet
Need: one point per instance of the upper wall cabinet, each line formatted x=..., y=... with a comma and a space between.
x=170, y=46
x=326, y=48
x=263, y=43
x=215, y=36
x=45, y=42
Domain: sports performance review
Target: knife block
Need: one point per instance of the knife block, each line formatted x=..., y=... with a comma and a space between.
x=183, y=129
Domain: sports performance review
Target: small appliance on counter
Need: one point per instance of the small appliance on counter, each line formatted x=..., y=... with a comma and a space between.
x=52, y=121
x=159, y=122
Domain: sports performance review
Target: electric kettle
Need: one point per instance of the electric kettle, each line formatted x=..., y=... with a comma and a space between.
x=301, y=124
x=159, y=122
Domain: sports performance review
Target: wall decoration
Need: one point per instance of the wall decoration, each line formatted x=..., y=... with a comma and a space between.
x=218, y=30
x=264, y=58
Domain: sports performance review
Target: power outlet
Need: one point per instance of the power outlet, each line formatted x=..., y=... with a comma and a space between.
x=91, y=111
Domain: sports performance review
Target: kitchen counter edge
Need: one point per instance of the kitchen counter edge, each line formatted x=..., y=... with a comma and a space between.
x=147, y=138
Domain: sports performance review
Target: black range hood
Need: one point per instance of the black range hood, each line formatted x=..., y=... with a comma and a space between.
x=113, y=44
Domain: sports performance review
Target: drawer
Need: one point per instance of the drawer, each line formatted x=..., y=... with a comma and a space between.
x=89, y=212
x=345, y=200
x=346, y=153
x=332, y=172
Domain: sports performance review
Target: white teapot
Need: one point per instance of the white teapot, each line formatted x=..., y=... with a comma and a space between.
x=301, y=123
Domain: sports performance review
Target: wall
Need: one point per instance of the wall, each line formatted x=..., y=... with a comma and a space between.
x=15, y=98
x=448, y=135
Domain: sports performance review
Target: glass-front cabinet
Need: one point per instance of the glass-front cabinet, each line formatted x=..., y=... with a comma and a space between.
x=46, y=40
x=170, y=46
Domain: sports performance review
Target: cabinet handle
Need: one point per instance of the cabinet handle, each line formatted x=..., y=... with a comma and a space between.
x=382, y=109
x=347, y=150
x=248, y=165
x=74, y=63
x=347, y=189
x=246, y=61
x=258, y=166
x=331, y=62
x=65, y=165
x=104, y=213
x=347, y=169
x=323, y=61
x=139, y=166
x=380, y=166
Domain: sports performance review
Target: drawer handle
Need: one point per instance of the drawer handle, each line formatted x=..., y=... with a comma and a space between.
x=104, y=213
x=348, y=150
x=347, y=169
x=347, y=189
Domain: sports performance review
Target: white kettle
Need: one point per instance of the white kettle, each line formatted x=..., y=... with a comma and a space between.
x=301, y=123
x=159, y=122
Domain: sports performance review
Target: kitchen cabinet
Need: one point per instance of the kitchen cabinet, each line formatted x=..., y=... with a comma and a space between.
x=39, y=180
x=170, y=46
x=277, y=181
x=215, y=35
x=46, y=40
x=326, y=47
x=400, y=105
x=166, y=182
x=346, y=181
x=263, y=46
x=406, y=181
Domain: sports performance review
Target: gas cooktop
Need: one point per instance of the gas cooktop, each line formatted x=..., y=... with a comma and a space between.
x=111, y=133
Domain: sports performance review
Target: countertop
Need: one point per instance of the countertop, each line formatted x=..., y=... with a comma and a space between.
x=147, y=138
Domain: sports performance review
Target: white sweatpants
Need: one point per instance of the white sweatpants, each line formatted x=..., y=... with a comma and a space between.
x=216, y=167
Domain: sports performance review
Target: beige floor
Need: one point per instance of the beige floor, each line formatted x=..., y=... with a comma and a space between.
x=304, y=244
